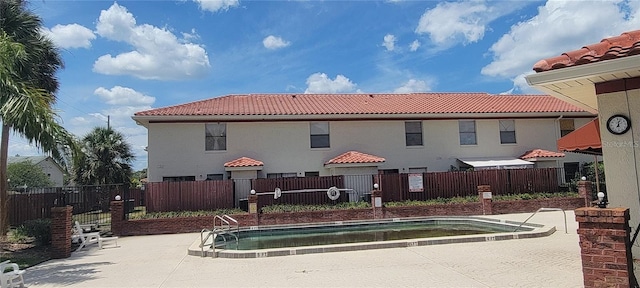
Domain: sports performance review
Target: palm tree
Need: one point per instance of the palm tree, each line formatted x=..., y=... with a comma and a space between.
x=106, y=158
x=28, y=62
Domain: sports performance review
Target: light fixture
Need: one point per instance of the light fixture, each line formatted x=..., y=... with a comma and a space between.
x=253, y=192
x=118, y=198
x=583, y=178
x=601, y=202
x=375, y=186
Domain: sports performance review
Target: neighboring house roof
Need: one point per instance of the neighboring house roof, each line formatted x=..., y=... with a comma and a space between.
x=540, y=153
x=355, y=157
x=363, y=104
x=243, y=162
x=32, y=159
x=627, y=44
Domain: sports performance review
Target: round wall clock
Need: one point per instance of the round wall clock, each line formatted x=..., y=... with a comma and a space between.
x=618, y=124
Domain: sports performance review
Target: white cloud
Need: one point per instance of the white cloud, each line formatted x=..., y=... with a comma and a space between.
x=389, y=42
x=274, y=42
x=414, y=45
x=413, y=85
x=321, y=83
x=158, y=53
x=123, y=96
x=217, y=5
x=546, y=35
x=452, y=23
x=70, y=36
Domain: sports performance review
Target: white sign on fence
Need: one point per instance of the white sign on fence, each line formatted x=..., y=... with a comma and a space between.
x=415, y=183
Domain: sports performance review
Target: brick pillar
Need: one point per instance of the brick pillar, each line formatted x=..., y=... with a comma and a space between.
x=117, y=217
x=605, y=246
x=376, y=204
x=484, y=194
x=584, y=190
x=61, y=232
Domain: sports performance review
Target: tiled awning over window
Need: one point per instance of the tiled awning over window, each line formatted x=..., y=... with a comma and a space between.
x=585, y=139
x=355, y=158
x=244, y=163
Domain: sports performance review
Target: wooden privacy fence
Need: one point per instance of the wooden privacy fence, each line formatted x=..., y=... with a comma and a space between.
x=189, y=195
x=308, y=198
x=396, y=187
x=36, y=203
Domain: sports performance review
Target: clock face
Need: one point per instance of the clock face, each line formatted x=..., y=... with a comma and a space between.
x=618, y=124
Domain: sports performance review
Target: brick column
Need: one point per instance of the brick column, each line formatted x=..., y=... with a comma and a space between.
x=61, y=232
x=605, y=246
x=376, y=204
x=584, y=190
x=484, y=194
x=117, y=217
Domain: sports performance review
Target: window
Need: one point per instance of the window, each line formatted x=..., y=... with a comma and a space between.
x=282, y=175
x=319, y=134
x=507, y=131
x=413, y=133
x=215, y=176
x=215, y=136
x=312, y=174
x=418, y=170
x=467, y=132
x=566, y=126
x=179, y=178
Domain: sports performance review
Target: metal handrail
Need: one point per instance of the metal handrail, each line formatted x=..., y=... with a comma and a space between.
x=545, y=209
x=219, y=230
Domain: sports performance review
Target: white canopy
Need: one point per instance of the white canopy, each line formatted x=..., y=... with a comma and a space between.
x=493, y=163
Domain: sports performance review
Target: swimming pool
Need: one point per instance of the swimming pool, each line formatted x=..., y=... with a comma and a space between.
x=280, y=240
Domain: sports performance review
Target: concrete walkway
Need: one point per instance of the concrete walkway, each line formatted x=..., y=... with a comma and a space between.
x=162, y=261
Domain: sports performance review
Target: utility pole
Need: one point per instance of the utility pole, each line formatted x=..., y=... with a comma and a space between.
x=108, y=121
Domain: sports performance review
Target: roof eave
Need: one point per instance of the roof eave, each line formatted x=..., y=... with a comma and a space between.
x=554, y=82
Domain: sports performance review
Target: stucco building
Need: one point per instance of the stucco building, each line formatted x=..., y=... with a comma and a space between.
x=298, y=135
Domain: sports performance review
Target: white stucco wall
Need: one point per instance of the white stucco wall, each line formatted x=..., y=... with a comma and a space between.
x=178, y=149
x=622, y=162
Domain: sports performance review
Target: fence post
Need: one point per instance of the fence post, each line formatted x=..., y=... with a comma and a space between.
x=484, y=194
x=584, y=190
x=376, y=203
x=605, y=247
x=61, y=232
x=117, y=217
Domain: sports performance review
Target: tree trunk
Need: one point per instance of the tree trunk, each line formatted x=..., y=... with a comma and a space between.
x=4, y=208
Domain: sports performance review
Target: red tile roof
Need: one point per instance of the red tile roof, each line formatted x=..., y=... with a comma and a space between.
x=364, y=104
x=540, y=153
x=244, y=162
x=627, y=44
x=355, y=157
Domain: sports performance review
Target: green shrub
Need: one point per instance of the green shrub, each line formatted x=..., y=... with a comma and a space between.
x=534, y=196
x=285, y=208
x=176, y=214
x=39, y=229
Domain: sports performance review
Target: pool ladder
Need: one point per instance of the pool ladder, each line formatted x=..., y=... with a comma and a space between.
x=222, y=225
x=543, y=209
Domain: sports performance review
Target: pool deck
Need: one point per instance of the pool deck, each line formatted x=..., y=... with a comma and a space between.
x=162, y=261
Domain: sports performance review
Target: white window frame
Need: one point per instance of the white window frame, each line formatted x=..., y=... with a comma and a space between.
x=468, y=133
x=507, y=129
x=408, y=133
x=319, y=131
x=216, y=134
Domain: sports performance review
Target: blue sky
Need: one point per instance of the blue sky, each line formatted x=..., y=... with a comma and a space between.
x=128, y=56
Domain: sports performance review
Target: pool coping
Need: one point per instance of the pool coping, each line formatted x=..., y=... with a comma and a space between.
x=536, y=231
